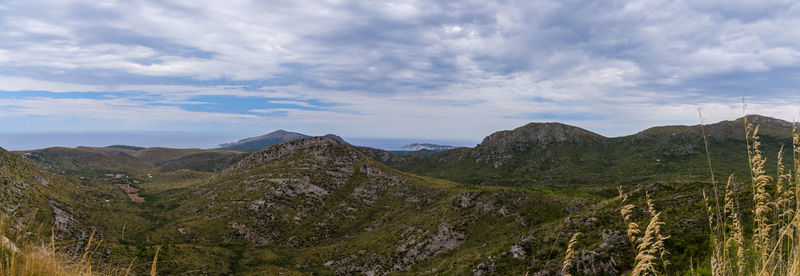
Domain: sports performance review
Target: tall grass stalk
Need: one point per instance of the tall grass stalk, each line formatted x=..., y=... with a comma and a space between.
x=649, y=246
x=570, y=254
x=23, y=257
x=773, y=248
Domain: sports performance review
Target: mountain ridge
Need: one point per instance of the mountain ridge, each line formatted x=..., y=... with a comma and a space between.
x=322, y=206
x=256, y=143
x=557, y=154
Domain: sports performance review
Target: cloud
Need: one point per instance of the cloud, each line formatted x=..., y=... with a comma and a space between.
x=435, y=68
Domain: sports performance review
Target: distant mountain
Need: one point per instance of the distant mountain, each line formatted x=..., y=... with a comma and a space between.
x=257, y=143
x=335, y=137
x=125, y=147
x=322, y=206
x=121, y=159
x=427, y=146
x=544, y=154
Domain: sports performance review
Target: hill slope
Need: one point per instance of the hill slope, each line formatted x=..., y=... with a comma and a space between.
x=321, y=206
x=136, y=161
x=32, y=200
x=552, y=154
x=329, y=208
x=259, y=142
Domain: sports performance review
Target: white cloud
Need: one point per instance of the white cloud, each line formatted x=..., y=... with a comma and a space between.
x=22, y=84
x=456, y=70
x=112, y=115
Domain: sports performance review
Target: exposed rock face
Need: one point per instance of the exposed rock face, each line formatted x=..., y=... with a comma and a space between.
x=517, y=252
x=288, y=183
x=325, y=187
x=383, y=156
x=537, y=134
x=602, y=260
x=485, y=268
x=500, y=147
x=42, y=180
x=64, y=222
x=320, y=148
x=248, y=233
x=416, y=248
x=479, y=203
x=291, y=196
x=6, y=244
x=22, y=189
x=276, y=137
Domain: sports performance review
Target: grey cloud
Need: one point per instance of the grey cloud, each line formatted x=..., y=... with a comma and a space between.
x=488, y=53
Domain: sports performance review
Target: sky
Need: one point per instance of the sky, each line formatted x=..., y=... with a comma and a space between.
x=456, y=70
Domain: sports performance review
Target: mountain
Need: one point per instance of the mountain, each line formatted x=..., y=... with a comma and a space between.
x=33, y=201
x=315, y=205
x=125, y=147
x=334, y=210
x=547, y=154
x=310, y=206
x=427, y=147
x=82, y=159
x=318, y=205
x=21, y=191
x=276, y=137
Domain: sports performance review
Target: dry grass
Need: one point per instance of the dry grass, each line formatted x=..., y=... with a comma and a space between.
x=773, y=248
x=570, y=254
x=27, y=259
x=650, y=252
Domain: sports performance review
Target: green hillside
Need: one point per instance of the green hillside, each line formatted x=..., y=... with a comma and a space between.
x=321, y=206
x=557, y=155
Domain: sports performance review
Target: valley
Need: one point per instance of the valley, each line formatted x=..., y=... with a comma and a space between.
x=318, y=205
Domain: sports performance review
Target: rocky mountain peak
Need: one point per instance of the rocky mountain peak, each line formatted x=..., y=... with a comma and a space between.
x=259, y=142
x=734, y=130
x=322, y=148
x=280, y=134
x=540, y=133
x=334, y=137
x=764, y=120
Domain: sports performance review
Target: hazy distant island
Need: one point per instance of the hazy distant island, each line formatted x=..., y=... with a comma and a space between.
x=427, y=146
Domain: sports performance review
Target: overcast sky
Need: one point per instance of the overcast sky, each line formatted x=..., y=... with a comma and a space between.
x=434, y=69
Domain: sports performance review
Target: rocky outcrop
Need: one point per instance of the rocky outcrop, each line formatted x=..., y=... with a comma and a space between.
x=479, y=202
x=248, y=234
x=7, y=244
x=416, y=247
x=259, y=142
x=537, y=134
x=319, y=149
x=603, y=259
x=22, y=190
x=64, y=222
x=517, y=252
x=276, y=137
x=383, y=156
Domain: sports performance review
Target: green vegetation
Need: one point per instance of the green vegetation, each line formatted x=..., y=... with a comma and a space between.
x=512, y=205
x=125, y=147
x=550, y=154
x=257, y=143
x=763, y=241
